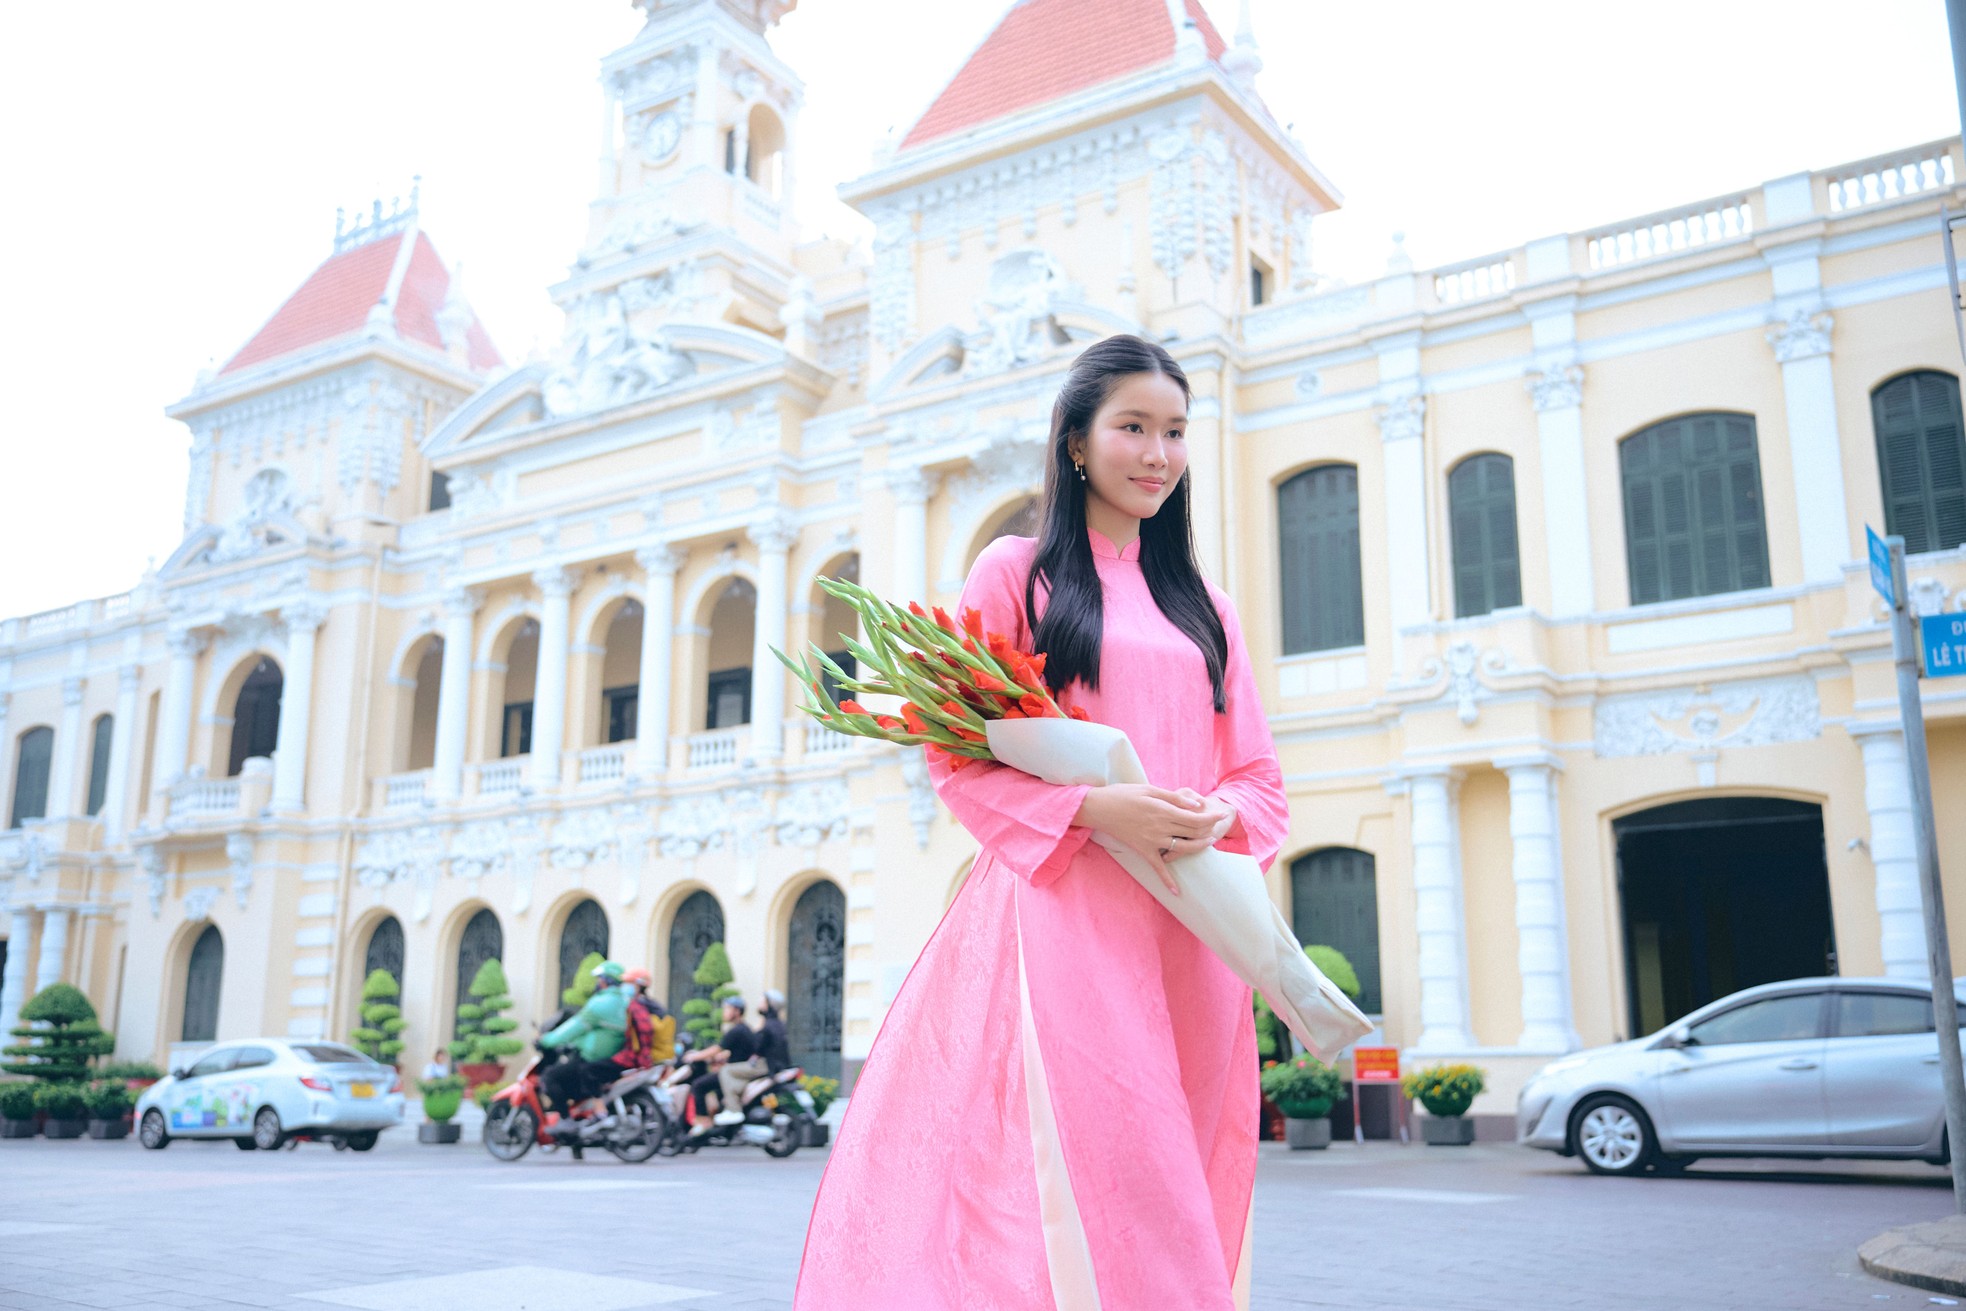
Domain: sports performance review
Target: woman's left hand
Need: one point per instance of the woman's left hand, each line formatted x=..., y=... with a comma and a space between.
x=1220, y=812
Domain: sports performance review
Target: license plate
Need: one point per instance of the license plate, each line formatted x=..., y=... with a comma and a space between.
x=361, y=1090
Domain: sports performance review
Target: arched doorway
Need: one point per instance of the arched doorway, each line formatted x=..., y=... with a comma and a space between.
x=481, y=941
x=255, y=716
x=202, y=975
x=699, y=922
x=815, y=993
x=1334, y=902
x=586, y=930
x=385, y=949
x=1718, y=895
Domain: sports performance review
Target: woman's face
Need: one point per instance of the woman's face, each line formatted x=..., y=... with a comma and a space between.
x=1137, y=447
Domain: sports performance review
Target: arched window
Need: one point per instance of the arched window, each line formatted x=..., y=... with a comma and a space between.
x=699, y=922
x=521, y=670
x=764, y=156
x=815, y=979
x=482, y=940
x=1921, y=459
x=385, y=950
x=419, y=747
x=37, y=745
x=1481, y=510
x=727, y=697
x=1323, y=598
x=1693, y=524
x=1334, y=902
x=202, y=975
x=255, y=716
x=586, y=930
x=104, y=735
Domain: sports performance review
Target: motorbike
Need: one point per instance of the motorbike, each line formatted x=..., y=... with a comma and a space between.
x=631, y=1121
x=776, y=1113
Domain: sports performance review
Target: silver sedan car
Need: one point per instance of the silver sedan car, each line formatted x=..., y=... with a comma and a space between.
x=1805, y=1068
x=266, y=1092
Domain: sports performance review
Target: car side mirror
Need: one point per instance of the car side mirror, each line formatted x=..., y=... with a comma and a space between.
x=180, y=1074
x=1683, y=1037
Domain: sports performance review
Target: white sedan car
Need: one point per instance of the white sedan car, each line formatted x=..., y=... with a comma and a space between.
x=1806, y=1068
x=264, y=1092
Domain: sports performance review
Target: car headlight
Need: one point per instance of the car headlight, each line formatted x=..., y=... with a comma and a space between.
x=1562, y=1066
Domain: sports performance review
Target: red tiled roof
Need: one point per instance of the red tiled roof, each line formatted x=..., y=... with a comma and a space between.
x=1043, y=50
x=336, y=299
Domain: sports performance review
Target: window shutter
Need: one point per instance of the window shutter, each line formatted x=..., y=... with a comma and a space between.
x=1921, y=459
x=1481, y=512
x=1323, y=597
x=1334, y=902
x=1694, y=520
x=37, y=745
x=99, y=762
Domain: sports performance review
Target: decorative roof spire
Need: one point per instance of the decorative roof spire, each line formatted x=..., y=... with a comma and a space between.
x=378, y=225
x=1243, y=61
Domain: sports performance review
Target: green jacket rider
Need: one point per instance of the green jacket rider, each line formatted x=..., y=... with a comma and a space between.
x=600, y=1027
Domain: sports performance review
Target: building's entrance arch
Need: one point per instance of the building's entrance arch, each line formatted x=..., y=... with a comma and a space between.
x=816, y=979
x=1717, y=895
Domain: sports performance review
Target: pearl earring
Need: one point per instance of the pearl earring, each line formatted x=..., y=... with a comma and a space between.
x=1080, y=468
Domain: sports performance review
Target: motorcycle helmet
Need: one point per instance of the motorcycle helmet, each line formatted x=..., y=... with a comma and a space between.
x=637, y=978
x=609, y=971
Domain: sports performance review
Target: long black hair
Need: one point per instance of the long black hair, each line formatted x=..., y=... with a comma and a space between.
x=1073, y=625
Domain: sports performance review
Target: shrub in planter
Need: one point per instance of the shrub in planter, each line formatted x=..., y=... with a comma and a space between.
x=380, y=1037
x=59, y=1036
x=705, y=1020
x=109, y=1104
x=441, y=1100
x=1303, y=1088
x=18, y=1105
x=483, y=1095
x=824, y=1092
x=1446, y=1091
x=63, y=1105
x=136, y=1075
x=1335, y=967
x=484, y=1034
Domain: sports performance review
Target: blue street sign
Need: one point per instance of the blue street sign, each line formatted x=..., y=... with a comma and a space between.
x=1880, y=567
x=1945, y=645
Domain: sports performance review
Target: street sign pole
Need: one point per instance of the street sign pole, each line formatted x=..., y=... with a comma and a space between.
x=1931, y=897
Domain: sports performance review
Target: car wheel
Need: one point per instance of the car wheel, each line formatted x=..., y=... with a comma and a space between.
x=361, y=1142
x=151, y=1132
x=1613, y=1136
x=267, y=1133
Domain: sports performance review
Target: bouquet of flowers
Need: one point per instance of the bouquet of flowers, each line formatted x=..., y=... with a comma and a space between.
x=972, y=695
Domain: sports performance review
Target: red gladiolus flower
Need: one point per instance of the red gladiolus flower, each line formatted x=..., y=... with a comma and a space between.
x=987, y=683
x=957, y=763
x=915, y=722
x=942, y=617
x=915, y=609
x=973, y=622
x=853, y=707
x=1015, y=714
x=1078, y=713
x=1036, y=707
x=999, y=645
x=888, y=722
x=969, y=645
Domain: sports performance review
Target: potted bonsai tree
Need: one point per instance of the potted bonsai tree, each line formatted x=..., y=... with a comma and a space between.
x=109, y=1104
x=62, y=1104
x=58, y=1036
x=441, y=1100
x=712, y=972
x=1446, y=1091
x=380, y=1037
x=1304, y=1089
x=17, y=1110
x=484, y=1033
x=136, y=1075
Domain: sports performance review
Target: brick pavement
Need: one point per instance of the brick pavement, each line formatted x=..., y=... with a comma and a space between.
x=203, y=1225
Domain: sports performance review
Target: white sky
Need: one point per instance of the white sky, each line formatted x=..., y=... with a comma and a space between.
x=173, y=169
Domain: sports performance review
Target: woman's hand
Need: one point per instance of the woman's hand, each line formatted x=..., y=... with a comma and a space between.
x=1154, y=823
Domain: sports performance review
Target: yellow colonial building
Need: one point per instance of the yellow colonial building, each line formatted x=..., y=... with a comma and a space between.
x=1550, y=563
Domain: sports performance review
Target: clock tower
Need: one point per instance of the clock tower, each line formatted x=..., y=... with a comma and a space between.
x=693, y=217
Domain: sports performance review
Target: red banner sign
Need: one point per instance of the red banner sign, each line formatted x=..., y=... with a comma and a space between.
x=1375, y=1064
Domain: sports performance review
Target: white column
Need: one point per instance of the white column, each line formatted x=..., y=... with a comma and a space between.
x=1438, y=919
x=660, y=564
x=773, y=537
x=1542, y=943
x=1893, y=849
x=1401, y=428
x=296, y=706
x=68, y=754
x=54, y=946
x=174, y=719
x=1557, y=390
x=910, y=487
x=116, y=788
x=1802, y=345
x=454, y=695
x=607, y=179
x=549, y=696
x=13, y=988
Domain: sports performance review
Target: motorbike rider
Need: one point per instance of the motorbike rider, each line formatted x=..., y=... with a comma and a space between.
x=774, y=1048
x=597, y=1031
x=739, y=1067
x=738, y=1045
x=650, y=1034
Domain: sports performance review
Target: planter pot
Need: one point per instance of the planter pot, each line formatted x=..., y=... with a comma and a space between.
x=482, y=1072
x=1447, y=1131
x=65, y=1128
x=109, y=1128
x=1307, y=1135
x=817, y=1134
x=429, y=1132
x=17, y=1129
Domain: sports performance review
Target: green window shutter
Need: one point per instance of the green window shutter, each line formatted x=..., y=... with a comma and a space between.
x=1921, y=459
x=37, y=747
x=1334, y=902
x=1318, y=542
x=1481, y=514
x=1694, y=519
x=105, y=730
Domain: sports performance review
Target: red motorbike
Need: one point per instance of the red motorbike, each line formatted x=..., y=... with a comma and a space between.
x=627, y=1119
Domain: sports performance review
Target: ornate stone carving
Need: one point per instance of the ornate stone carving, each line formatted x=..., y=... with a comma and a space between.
x=381, y=418
x=773, y=532
x=198, y=484
x=922, y=803
x=693, y=825
x=1017, y=310
x=265, y=520
x=1462, y=668
x=1171, y=230
x=1801, y=334
x=750, y=823
x=527, y=840
x=1403, y=419
x=1926, y=596
x=1555, y=387
x=239, y=857
x=1745, y=713
x=676, y=290
x=150, y=867
x=911, y=484
x=478, y=849
x=891, y=283
x=1216, y=201
x=632, y=831
x=604, y=361
x=581, y=838
x=812, y=812
x=198, y=902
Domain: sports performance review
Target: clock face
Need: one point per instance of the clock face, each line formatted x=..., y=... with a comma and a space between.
x=660, y=135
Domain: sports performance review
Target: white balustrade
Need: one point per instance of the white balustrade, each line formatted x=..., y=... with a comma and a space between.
x=1669, y=232
x=1476, y=279
x=603, y=764
x=823, y=741
x=500, y=777
x=205, y=798
x=405, y=791
x=1883, y=178
x=717, y=749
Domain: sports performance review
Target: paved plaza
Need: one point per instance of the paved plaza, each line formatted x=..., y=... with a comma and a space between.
x=415, y=1228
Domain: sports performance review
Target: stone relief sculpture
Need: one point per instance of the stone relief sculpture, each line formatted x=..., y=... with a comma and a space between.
x=1018, y=312
x=605, y=361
